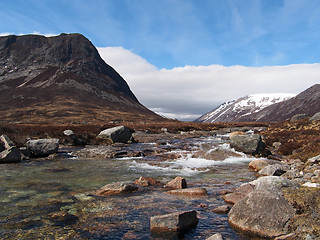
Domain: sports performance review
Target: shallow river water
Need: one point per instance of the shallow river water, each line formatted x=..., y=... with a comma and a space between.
x=47, y=200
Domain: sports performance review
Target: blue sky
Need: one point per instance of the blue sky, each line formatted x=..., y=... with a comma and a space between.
x=183, y=58
x=172, y=33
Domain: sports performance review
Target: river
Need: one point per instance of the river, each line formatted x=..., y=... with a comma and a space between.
x=45, y=199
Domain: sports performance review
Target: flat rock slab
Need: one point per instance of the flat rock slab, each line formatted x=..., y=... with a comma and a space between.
x=177, y=222
x=189, y=191
x=116, y=188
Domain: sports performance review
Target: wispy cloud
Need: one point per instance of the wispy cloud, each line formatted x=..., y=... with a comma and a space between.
x=189, y=91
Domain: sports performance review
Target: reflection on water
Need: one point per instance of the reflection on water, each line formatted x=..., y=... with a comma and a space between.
x=46, y=199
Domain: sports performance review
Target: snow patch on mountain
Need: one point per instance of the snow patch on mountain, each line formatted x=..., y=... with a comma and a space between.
x=233, y=110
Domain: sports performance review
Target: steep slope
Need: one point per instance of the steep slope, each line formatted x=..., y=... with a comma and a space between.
x=234, y=111
x=306, y=102
x=61, y=78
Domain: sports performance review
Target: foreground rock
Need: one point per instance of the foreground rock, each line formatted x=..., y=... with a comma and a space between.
x=116, y=188
x=189, y=192
x=9, y=153
x=250, y=144
x=119, y=134
x=43, y=147
x=264, y=211
x=178, y=222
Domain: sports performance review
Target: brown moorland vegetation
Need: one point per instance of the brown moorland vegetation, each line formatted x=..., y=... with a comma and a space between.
x=299, y=139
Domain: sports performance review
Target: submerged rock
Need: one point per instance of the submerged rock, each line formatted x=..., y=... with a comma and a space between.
x=43, y=147
x=177, y=222
x=119, y=134
x=222, y=209
x=177, y=183
x=116, y=188
x=189, y=191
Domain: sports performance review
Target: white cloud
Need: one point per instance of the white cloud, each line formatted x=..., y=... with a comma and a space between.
x=5, y=34
x=190, y=91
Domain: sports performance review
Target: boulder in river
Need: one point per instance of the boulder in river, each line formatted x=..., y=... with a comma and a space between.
x=9, y=153
x=119, y=134
x=43, y=147
x=177, y=222
x=250, y=144
x=177, y=183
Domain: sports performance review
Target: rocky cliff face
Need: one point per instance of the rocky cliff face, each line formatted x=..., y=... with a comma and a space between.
x=306, y=102
x=61, y=78
x=237, y=110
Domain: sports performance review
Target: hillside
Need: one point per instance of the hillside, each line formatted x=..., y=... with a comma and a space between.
x=62, y=79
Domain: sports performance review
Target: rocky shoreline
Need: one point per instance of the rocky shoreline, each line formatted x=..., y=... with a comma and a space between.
x=283, y=203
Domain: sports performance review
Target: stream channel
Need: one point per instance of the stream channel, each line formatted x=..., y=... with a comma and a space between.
x=46, y=199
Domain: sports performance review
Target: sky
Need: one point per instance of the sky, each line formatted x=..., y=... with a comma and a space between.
x=183, y=58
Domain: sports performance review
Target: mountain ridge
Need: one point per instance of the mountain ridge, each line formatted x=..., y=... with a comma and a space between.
x=62, y=78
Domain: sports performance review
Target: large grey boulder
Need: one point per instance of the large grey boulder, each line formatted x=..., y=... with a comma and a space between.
x=250, y=144
x=264, y=211
x=119, y=134
x=177, y=222
x=9, y=153
x=43, y=147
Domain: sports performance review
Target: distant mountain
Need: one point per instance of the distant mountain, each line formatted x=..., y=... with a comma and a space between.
x=62, y=79
x=238, y=110
x=306, y=102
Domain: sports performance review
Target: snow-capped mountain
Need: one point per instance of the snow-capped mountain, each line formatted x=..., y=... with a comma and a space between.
x=233, y=111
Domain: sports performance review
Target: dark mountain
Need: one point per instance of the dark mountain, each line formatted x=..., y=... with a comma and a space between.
x=64, y=79
x=306, y=102
x=234, y=111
